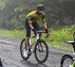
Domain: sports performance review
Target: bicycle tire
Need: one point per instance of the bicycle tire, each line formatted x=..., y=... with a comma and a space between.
x=47, y=51
x=64, y=58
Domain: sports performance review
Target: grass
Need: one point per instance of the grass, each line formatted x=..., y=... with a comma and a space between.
x=55, y=40
x=12, y=34
x=58, y=36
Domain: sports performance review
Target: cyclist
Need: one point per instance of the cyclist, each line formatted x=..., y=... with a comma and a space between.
x=31, y=21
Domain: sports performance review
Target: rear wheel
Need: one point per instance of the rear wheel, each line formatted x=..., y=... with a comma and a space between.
x=23, y=48
x=66, y=61
x=41, y=51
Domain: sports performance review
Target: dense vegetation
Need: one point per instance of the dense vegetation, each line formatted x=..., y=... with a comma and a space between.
x=13, y=12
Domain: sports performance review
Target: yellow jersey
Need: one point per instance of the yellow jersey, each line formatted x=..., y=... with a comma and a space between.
x=34, y=16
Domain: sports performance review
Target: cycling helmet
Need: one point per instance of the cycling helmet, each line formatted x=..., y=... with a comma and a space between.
x=40, y=7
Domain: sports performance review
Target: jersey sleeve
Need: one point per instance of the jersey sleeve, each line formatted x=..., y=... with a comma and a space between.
x=31, y=17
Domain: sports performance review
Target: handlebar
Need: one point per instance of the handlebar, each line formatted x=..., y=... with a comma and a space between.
x=40, y=32
x=70, y=42
x=43, y=32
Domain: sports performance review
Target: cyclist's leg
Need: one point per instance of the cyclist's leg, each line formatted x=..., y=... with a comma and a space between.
x=28, y=33
x=36, y=27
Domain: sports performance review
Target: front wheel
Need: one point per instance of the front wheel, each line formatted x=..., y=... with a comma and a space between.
x=66, y=61
x=41, y=51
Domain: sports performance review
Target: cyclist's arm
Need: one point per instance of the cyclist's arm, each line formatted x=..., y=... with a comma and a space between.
x=44, y=23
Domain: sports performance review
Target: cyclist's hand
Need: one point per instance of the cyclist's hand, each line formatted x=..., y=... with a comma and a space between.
x=47, y=33
x=46, y=30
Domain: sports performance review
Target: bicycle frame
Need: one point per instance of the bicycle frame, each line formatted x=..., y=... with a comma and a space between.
x=33, y=48
x=38, y=37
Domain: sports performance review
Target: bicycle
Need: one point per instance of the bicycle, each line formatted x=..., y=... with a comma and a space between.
x=70, y=59
x=40, y=46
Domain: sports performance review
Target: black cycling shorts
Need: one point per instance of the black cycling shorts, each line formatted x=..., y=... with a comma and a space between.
x=28, y=29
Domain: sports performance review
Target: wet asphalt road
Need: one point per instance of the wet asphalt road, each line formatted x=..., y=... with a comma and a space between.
x=10, y=55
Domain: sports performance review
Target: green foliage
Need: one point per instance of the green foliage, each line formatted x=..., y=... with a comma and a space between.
x=59, y=12
x=61, y=34
x=58, y=36
x=12, y=33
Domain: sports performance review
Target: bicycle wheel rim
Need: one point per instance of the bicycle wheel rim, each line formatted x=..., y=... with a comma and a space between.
x=42, y=55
